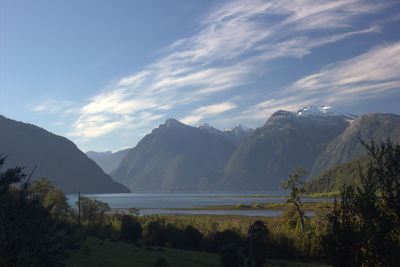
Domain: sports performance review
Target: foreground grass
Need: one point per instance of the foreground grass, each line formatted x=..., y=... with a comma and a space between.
x=98, y=253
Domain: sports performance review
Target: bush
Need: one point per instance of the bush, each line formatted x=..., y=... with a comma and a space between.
x=131, y=230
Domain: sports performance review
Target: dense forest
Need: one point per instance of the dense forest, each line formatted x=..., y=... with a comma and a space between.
x=39, y=228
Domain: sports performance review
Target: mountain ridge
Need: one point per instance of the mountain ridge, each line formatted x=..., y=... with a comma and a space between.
x=57, y=159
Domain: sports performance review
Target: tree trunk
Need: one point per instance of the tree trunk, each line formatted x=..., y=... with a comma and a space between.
x=300, y=215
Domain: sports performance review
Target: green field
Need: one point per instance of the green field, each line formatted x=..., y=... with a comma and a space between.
x=97, y=253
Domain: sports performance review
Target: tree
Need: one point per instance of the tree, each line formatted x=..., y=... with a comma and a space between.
x=226, y=237
x=50, y=197
x=296, y=187
x=259, y=235
x=193, y=238
x=153, y=233
x=29, y=235
x=131, y=230
x=92, y=211
x=342, y=239
x=364, y=227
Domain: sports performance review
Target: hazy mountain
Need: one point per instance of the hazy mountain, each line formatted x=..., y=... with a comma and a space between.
x=175, y=157
x=57, y=159
x=347, y=146
x=179, y=157
x=209, y=129
x=238, y=133
x=272, y=151
x=107, y=160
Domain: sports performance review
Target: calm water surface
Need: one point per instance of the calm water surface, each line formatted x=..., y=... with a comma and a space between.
x=158, y=203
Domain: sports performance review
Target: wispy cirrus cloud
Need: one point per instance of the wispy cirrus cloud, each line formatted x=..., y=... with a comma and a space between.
x=233, y=42
x=53, y=106
x=371, y=75
x=207, y=111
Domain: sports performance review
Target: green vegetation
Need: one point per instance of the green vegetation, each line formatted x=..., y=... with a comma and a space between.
x=360, y=230
x=306, y=206
x=108, y=253
x=333, y=179
x=97, y=253
x=323, y=195
x=372, y=126
x=363, y=228
x=32, y=232
x=296, y=187
x=54, y=231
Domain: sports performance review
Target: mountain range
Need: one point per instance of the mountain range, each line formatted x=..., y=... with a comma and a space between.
x=176, y=157
x=272, y=151
x=107, y=160
x=55, y=157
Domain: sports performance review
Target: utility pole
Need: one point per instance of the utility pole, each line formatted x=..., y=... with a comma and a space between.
x=251, y=245
x=79, y=209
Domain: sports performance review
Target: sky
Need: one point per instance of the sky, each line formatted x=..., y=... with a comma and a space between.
x=105, y=73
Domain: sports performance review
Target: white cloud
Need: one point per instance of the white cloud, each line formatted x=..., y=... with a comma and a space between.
x=371, y=75
x=377, y=68
x=53, y=106
x=207, y=111
x=234, y=41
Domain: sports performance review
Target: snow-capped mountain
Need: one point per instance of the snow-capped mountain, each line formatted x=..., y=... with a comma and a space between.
x=238, y=128
x=238, y=133
x=323, y=111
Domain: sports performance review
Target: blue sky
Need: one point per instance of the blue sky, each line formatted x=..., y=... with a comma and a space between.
x=105, y=73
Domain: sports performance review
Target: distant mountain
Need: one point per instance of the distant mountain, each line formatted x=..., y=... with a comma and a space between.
x=209, y=129
x=56, y=158
x=179, y=157
x=347, y=146
x=335, y=177
x=108, y=161
x=238, y=133
x=175, y=157
x=272, y=151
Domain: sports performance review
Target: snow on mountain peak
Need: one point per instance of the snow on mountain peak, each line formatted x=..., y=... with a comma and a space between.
x=237, y=128
x=322, y=111
x=315, y=111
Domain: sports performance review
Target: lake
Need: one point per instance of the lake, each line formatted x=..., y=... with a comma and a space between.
x=159, y=203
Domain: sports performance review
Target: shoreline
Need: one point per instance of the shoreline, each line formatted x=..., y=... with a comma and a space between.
x=307, y=206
